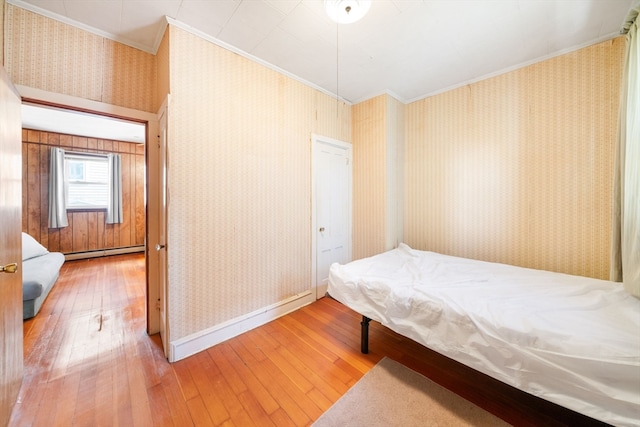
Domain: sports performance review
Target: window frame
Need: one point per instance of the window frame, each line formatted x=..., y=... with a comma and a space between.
x=84, y=156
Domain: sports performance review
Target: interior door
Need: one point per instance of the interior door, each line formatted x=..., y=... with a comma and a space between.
x=333, y=207
x=162, y=230
x=11, y=364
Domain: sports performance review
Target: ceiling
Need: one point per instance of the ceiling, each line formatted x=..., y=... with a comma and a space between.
x=406, y=48
x=51, y=119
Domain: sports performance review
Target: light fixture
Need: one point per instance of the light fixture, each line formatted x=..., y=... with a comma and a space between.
x=346, y=11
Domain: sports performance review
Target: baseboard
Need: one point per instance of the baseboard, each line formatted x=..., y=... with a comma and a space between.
x=103, y=252
x=202, y=340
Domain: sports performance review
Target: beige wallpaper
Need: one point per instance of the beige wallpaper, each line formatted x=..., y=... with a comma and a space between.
x=378, y=171
x=395, y=158
x=518, y=168
x=239, y=183
x=162, y=63
x=46, y=54
x=369, y=177
x=2, y=6
x=513, y=169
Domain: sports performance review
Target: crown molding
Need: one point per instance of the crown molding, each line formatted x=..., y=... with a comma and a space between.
x=250, y=57
x=46, y=13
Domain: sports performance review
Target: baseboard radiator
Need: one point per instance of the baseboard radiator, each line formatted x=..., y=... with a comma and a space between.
x=103, y=252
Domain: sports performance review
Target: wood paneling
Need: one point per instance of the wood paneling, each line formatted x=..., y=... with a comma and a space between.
x=87, y=230
x=89, y=362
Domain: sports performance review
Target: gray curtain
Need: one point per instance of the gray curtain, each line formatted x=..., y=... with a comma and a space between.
x=114, y=210
x=625, y=260
x=57, y=205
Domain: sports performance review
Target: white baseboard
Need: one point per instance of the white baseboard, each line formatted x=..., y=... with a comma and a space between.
x=204, y=339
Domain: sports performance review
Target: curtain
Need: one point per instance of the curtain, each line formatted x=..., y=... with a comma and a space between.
x=57, y=205
x=626, y=225
x=114, y=210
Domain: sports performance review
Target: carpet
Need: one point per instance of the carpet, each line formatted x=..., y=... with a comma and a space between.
x=391, y=394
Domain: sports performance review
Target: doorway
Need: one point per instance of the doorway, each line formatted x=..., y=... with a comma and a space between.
x=82, y=110
x=331, y=207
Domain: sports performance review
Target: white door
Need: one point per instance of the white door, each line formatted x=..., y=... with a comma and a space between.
x=11, y=364
x=332, y=207
x=162, y=231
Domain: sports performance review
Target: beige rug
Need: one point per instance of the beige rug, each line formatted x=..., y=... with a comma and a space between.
x=391, y=394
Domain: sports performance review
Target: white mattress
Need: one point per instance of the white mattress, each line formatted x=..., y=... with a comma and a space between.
x=571, y=340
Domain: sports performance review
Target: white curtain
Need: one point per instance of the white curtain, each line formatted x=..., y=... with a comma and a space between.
x=114, y=210
x=626, y=231
x=57, y=205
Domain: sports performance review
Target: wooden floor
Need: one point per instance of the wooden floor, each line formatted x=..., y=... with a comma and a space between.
x=89, y=362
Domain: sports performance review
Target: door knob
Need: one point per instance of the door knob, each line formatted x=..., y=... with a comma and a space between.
x=9, y=268
x=321, y=229
x=159, y=246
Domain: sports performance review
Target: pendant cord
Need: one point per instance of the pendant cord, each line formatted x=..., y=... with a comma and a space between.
x=337, y=69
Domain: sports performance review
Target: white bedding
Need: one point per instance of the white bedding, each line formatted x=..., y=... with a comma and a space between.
x=571, y=340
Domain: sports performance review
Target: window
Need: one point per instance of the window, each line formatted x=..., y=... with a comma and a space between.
x=87, y=181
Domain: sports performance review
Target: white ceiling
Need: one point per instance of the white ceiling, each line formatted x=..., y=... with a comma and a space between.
x=407, y=48
x=50, y=119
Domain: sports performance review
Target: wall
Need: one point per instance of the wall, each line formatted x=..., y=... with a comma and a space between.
x=239, y=183
x=162, y=64
x=46, y=54
x=62, y=65
x=513, y=169
x=87, y=230
x=2, y=6
x=378, y=157
x=395, y=152
x=518, y=168
x=239, y=157
x=369, y=177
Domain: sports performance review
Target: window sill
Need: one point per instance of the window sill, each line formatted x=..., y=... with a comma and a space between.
x=86, y=209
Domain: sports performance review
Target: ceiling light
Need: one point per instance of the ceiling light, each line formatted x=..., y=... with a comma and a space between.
x=346, y=11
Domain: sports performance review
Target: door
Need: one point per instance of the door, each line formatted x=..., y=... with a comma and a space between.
x=11, y=363
x=162, y=230
x=332, y=207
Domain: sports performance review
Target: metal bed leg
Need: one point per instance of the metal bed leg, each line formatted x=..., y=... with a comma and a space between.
x=364, y=335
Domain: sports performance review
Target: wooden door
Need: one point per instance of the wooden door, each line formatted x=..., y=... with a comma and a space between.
x=11, y=364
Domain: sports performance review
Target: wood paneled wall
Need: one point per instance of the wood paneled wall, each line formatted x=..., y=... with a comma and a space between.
x=87, y=230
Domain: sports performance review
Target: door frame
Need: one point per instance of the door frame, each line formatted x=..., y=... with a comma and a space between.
x=151, y=119
x=316, y=140
x=160, y=174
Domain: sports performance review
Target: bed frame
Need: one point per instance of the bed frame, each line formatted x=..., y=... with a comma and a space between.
x=557, y=365
x=364, y=335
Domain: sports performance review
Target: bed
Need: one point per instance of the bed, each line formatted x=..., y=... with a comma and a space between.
x=572, y=340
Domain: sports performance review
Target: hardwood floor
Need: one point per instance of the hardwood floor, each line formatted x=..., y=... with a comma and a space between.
x=89, y=362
